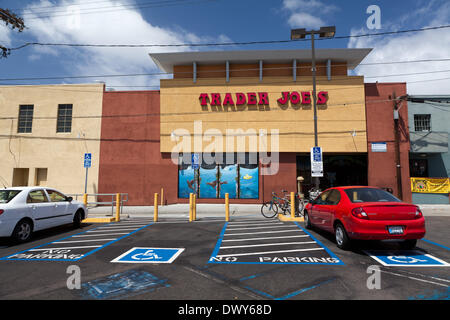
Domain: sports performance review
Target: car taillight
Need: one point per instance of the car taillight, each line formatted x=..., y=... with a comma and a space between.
x=1, y=211
x=418, y=214
x=360, y=213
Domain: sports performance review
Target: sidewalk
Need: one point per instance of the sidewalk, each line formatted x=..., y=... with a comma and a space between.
x=217, y=211
x=181, y=211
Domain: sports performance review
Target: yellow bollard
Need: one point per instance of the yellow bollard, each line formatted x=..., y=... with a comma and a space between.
x=191, y=197
x=117, y=207
x=155, y=209
x=227, y=207
x=293, y=205
x=85, y=199
x=162, y=196
x=194, y=207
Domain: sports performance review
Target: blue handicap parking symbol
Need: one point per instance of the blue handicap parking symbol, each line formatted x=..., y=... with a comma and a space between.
x=406, y=258
x=149, y=255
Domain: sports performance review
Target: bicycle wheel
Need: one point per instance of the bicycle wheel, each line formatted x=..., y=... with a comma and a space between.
x=269, y=210
x=300, y=208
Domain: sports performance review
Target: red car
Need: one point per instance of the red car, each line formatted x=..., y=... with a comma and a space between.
x=365, y=213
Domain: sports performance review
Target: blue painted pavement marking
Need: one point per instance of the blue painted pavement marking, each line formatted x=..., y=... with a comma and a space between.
x=436, y=244
x=256, y=242
x=122, y=285
x=149, y=255
x=80, y=245
x=405, y=258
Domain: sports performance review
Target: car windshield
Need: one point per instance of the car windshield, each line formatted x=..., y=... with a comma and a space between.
x=7, y=195
x=370, y=195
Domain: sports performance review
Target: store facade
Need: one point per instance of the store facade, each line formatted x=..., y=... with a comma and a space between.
x=242, y=123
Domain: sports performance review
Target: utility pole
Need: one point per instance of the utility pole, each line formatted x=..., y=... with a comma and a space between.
x=397, y=148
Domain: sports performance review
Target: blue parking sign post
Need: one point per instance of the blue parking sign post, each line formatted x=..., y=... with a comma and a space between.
x=316, y=162
x=195, y=161
x=87, y=165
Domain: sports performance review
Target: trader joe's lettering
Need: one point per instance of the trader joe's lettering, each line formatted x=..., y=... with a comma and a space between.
x=260, y=98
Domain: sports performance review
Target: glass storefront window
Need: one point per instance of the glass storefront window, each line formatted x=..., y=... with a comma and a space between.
x=240, y=178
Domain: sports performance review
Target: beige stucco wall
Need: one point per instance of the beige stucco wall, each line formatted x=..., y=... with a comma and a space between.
x=61, y=153
x=341, y=122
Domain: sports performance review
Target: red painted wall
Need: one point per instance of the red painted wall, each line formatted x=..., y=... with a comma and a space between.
x=130, y=160
x=380, y=128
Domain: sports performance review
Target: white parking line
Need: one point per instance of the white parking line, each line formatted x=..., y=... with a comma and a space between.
x=100, y=234
x=90, y=240
x=245, y=233
x=45, y=249
x=266, y=252
x=248, y=228
x=253, y=223
x=267, y=238
x=118, y=227
x=268, y=244
x=106, y=230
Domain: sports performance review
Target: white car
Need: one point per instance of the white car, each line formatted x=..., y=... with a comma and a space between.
x=24, y=210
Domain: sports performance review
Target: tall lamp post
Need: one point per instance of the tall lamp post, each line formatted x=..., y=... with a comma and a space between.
x=323, y=32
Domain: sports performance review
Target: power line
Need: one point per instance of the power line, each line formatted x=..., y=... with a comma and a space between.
x=234, y=71
x=119, y=7
x=222, y=43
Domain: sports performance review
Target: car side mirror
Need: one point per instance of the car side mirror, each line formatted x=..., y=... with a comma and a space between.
x=69, y=199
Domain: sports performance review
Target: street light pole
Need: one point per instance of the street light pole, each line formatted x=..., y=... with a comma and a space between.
x=313, y=70
x=323, y=32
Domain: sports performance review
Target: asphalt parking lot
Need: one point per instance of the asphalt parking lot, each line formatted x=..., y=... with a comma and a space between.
x=244, y=259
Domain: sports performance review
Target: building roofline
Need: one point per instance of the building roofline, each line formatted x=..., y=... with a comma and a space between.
x=166, y=61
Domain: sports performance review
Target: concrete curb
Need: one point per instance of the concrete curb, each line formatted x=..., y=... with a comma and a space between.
x=252, y=211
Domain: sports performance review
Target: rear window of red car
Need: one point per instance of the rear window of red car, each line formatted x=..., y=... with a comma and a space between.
x=370, y=195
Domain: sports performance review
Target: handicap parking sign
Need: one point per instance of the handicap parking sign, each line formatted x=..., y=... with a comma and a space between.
x=149, y=255
x=406, y=258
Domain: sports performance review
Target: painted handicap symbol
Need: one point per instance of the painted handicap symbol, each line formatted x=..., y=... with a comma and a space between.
x=147, y=255
x=405, y=259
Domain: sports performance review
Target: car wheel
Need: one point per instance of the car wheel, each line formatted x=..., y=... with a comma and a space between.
x=307, y=221
x=23, y=231
x=77, y=219
x=408, y=244
x=342, y=240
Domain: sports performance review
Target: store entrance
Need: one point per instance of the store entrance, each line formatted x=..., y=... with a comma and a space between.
x=339, y=170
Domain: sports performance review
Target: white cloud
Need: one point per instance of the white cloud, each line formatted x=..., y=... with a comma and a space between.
x=299, y=12
x=433, y=44
x=124, y=26
x=304, y=20
x=5, y=35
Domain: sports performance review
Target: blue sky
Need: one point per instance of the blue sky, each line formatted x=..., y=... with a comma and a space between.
x=212, y=21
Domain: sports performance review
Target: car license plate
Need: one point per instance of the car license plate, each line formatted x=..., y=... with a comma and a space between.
x=395, y=230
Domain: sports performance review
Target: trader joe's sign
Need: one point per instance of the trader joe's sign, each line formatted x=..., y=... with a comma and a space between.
x=260, y=98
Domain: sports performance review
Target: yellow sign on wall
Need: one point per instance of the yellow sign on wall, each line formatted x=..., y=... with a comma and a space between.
x=430, y=185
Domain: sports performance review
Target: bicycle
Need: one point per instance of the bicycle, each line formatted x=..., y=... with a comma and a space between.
x=299, y=205
x=270, y=209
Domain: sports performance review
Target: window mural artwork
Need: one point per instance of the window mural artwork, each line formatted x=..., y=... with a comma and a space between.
x=248, y=181
x=212, y=181
x=186, y=181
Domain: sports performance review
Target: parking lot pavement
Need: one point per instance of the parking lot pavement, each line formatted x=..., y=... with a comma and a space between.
x=222, y=261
